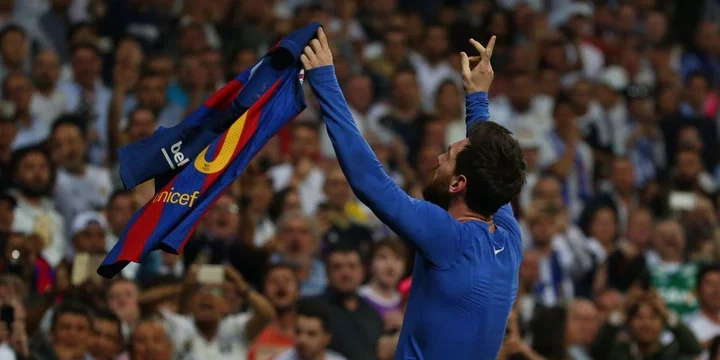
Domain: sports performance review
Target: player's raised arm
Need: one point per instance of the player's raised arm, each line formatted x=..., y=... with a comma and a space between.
x=433, y=232
x=476, y=82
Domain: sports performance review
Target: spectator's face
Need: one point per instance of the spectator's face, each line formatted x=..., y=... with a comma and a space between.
x=623, y=176
x=68, y=147
x=304, y=143
x=437, y=42
x=152, y=93
x=261, y=194
x=107, y=342
x=291, y=203
x=20, y=92
x=670, y=239
x=163, y=67
x=345, y=272
x=141, y=124
x=297, y=237
x=543, y=229
x=707, y=35
x=33, y=175
x=359, y=92
x=583, y=323
x=689, y=165
x=697, y=90
x=548, y=189
x=548, y=82
x=395, y=46
x=8, y=130
x=709, y=292
x=607, y=302
x=208, y=304
x=46, y=70
x=122, y=299
x=129, y=54
x=281, y=288
x=405, y=89
x=86, y=67
x=656, y=26
x=224, y=218
x=564, y=118
x=448, y=100
x=91, y=239
x=387, y=267
x=646, y=325
x=689, y=137
x=668, y=101
x=522, y=92
x=640, y=228
x=530, y=268
x=581, y=96
x=603, y=226
x=437, y=188
x=192, y=40
x=14, y=49
x=310, y=337
x=6, y=215
x=119, y=212
x=337, y=189
x=243, y=60
x=72, y=331
x=213, y=62
x=150, y=342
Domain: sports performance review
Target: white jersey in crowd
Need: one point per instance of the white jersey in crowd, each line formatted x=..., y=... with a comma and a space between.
x=229, y=343
x=78, y=193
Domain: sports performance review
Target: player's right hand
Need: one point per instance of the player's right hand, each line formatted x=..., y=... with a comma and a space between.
x=317, y=53
x=479, y=77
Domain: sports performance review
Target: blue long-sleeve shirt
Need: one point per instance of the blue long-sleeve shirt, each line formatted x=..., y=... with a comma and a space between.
x=465, y=277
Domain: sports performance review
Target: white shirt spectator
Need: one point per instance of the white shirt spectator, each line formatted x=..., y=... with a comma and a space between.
x=430, y=77
x=77, y=193
x=293, y=355
x=703, y=328
x=37, y=132
x=230, y=342
x=538, y=117
x=310, y=190
x=48, y=108
x=99, y=107
x=579, y=181
x=44, y=221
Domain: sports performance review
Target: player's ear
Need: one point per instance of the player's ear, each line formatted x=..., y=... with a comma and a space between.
x=458, y=184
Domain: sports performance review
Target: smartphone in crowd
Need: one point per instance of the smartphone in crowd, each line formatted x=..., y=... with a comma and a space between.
x=211, y=274
x=682, y=201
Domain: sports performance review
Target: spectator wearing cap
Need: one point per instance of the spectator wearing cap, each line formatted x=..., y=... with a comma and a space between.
x=34, y=179
x=313, y=334
x=88, y=232
x=345, y=275
x=282, y=289
x=568, y=157
x=705, y=323
x=79, y=186
x=30, y=130
x=88, y=96
x=48, y=102
x=522, y=108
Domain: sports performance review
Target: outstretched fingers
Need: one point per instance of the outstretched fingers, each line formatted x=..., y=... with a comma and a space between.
x=323, y=39
x=478, y=46
x=490, y=46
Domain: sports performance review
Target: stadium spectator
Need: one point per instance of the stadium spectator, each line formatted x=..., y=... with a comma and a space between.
x=312, y=334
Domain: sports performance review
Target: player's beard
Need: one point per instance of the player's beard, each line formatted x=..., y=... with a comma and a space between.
x=436, y=190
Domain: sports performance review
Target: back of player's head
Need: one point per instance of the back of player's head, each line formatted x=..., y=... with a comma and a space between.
x=494, y=166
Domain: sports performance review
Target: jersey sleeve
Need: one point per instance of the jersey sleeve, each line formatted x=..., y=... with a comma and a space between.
x=427, y=227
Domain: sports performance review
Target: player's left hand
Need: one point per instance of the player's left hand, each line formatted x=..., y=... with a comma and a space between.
x=479, y=77
x=317, y=53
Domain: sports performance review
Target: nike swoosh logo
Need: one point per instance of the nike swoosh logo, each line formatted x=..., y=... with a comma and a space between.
x=497, y=251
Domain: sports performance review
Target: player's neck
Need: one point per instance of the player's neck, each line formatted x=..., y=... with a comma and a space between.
x=462, y=213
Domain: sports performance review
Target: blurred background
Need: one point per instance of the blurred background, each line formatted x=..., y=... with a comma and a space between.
x=615, y=104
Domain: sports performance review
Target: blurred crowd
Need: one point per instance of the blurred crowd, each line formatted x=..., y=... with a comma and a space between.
x=616, y=105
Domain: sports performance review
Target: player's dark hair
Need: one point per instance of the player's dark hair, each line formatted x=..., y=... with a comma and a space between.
x=705, y=271
x=494, y=166
x=70, y=307
x=315, y=309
